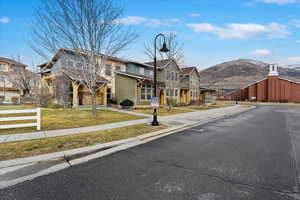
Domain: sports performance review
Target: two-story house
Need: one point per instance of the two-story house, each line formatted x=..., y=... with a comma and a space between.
x=168, y=73
x=9, y=67
x=70, y=92
x=189, y=84
x=136, y=84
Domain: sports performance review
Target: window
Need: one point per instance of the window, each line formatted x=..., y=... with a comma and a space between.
x=146, y=92
x=176, y=76
x=107, y=70
x=176, y=93
x=79, y=65
x=142, y=70
x=2, y=67
x=171, y=92
x=151, y=73
x=167, y=75
x=69, y=63
x=172, y=76
x=118, y=68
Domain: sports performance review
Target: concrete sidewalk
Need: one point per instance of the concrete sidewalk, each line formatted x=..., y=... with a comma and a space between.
x=172, y=120
x=23, y=169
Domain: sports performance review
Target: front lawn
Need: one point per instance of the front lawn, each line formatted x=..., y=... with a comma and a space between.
x=162, y=111
x=53, y=119
x=14, y=150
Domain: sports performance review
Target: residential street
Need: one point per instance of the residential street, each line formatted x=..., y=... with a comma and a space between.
x=252, y=155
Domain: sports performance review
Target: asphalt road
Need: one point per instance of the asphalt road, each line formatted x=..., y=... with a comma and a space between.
x=253, y=155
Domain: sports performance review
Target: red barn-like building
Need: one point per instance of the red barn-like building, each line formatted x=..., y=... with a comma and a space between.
x=271, y=89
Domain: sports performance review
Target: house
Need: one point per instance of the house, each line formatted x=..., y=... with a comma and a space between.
x=136, y=84
x=271, y=89
x=168, y=72
x=189, y=85
x=8, y=92
x=207, y=95
x=69, y=91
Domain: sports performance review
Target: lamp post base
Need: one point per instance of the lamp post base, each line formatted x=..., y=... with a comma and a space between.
x=155, y=121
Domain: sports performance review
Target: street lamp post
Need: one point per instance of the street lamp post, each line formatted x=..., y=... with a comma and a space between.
x=163, y=49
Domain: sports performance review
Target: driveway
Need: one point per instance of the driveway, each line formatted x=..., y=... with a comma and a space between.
x=252, y=155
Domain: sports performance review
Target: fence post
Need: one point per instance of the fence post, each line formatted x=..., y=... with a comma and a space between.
x=38, y=120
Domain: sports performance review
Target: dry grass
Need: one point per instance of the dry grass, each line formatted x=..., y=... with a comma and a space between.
x=8, y=107
x=53, y=119
x=14, y=150
x=207, y=107
x=162, y=111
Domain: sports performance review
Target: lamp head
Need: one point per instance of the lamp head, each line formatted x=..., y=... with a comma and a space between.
x=164, y=48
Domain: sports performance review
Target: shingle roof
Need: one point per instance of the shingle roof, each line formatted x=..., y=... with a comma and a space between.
x=160, y=63
x=187, y=70
x=11, y=61
x=79, y=75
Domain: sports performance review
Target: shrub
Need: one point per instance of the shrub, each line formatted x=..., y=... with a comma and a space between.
x=14, y=100
x=55, y=106
x=1, y=99
x=127, y=104
x=171, y=102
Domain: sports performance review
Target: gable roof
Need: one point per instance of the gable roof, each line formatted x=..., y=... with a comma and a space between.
x=11, y=61
x=138, y=76
x=189, y=71
x=75, y=51
x=161, y=64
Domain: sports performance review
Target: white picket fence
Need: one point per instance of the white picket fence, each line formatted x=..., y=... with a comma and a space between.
x=37, y=117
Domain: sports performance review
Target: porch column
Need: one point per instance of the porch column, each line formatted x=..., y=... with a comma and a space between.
x=75, y=87
x=105, y=95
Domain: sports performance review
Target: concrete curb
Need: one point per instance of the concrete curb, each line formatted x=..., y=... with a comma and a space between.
x=93, y=148
x=86, y=154
x=62, y=154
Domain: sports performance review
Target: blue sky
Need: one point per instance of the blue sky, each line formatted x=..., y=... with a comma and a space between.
x=212, y=32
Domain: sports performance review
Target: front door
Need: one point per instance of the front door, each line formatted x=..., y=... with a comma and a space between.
x=161, y=98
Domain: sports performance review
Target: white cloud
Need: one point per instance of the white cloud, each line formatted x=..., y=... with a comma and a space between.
x=278, y=1
x=4, y=20
x=242, y=31
x=194, y=15
x=295, y=59
x=132, y=20
x=297, y=41
x=261, y=53
x=151, y=22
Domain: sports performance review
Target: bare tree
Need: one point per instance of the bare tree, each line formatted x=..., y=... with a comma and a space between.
x=88, y=73
x=175, y=46
x=25, y=81
x=92, y=26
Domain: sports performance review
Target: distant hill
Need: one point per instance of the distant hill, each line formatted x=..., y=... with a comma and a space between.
x=241, y=72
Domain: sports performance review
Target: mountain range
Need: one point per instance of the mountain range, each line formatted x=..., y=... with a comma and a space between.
x=241, y=72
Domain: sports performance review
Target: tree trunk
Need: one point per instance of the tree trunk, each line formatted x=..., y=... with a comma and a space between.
x=94, y=104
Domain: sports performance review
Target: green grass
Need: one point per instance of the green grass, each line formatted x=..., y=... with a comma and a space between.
x=14, y=150
x=53, y=119
x=162, y=111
